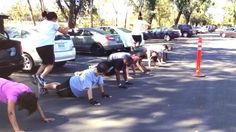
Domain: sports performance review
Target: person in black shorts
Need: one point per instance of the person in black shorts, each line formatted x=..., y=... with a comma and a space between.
x=114, y=67
x=45, y=45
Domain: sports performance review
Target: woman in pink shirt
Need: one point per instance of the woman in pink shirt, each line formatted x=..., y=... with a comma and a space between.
x=14, y=93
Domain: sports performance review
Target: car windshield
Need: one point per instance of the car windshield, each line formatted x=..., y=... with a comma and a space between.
x=125, y=30
x=99, y=31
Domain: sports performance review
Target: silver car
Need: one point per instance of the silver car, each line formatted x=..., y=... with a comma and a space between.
x=95, y=41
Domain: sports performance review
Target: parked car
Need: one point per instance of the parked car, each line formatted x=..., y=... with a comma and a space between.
x=11, y=59
x=125, y=34
x=186, y=30
x=163, y=33
x=95, y=41
x=229, y=32
x=201, y=29
x=63, y=48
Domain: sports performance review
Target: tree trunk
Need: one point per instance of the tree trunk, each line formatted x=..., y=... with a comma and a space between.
x=126, y=15
x=178, y=17
x=62, y=9
x=91, y=13
x=42, y=5
x=31, y=12
x=71, y=21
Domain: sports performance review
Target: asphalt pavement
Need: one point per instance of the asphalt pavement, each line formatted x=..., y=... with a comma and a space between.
x=167, y=99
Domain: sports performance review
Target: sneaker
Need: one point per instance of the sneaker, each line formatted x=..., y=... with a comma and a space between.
x=128, y=83
x=40, y=80
x=41, y=89
x=94, y=102
x=106, y=95
x=122, y=86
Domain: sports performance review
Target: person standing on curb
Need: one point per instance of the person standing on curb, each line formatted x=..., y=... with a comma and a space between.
x=14, y=93
x=137, y=32
x=45, y=46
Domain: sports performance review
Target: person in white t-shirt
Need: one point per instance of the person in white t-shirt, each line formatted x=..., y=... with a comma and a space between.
x=81, y=84
x=45, y=49
x=138, y=27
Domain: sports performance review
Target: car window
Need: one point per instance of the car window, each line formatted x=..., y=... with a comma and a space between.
x=24, y=34
x=125, y=30
x=13, y=32
x=87, y=33
x=2, y=37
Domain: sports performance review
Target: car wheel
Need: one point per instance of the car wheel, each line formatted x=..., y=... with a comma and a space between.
x=167, y=37
x=97, y=50
x=185, y=34
x=28, y=63
x=223, y=35
x=60, y=64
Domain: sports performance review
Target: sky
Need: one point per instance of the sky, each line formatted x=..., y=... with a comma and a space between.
x=217, y=11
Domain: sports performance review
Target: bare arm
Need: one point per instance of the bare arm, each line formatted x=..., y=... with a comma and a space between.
x=139, y=66
x=100, y=87
x=149, y=58
x=117, y=76
x=63, y=30
x=39, y=109
x=11, y=115
x=90, y=93
x=125, y=74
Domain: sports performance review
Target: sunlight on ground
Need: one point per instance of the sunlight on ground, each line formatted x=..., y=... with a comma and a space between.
x=168, y=89
x=189, y=122
x=143, y=102
x=110, y=123
x=71, y=110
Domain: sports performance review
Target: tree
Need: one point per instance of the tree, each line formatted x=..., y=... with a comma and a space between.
x=31, y=12
x=74, y=7
x=186, y=7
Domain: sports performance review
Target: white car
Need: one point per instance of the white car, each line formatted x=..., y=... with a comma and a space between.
x=64, y=49
x=124, y=34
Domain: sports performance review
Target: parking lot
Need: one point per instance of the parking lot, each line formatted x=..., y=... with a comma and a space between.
x=168, y=99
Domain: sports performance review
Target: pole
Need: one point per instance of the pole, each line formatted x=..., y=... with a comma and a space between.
x=198, y=60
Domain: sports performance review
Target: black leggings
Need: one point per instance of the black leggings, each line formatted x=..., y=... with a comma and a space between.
x=64, y=90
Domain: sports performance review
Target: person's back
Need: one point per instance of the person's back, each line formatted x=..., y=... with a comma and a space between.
x=86, y=80
x=118, y=55
x=11, y=90
x=137, y=27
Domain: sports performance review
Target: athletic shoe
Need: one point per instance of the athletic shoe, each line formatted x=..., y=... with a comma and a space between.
x=128, y=83
x=41, y=89
x=106, y=95
x=40, y=80
x=94, y=102
x=122, y=86
x=34, y=81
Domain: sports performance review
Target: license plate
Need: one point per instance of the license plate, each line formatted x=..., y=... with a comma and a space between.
x=61, y=46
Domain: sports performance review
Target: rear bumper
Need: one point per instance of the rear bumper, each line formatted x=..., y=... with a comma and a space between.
x=118, y=47
x=65, y=55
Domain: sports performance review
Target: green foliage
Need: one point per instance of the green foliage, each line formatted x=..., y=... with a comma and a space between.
x=20, y=12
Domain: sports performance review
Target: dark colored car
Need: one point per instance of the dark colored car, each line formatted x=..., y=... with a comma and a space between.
x=162, y=33
x=95, y=41
x=10, y=56
x=11, y=59
x=185, y=29
x=229, y=32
